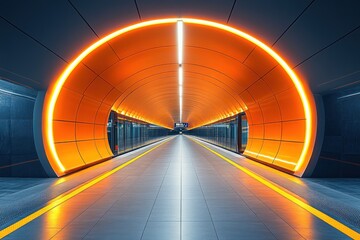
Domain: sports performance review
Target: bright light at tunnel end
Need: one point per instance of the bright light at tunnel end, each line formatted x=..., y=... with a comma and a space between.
x=54, y=91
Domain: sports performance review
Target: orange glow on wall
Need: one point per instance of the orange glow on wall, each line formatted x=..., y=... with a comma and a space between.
x=135, y=71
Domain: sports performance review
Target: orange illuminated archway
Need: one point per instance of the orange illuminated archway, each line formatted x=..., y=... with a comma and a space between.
x=134, y=72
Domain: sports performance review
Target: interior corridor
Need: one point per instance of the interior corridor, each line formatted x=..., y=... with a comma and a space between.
x=151, y=119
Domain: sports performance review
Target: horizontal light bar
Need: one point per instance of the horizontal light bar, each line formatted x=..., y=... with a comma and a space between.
x=16, y=94
x=349, y=95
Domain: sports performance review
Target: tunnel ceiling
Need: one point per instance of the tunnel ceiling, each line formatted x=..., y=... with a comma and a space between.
x=137, y=74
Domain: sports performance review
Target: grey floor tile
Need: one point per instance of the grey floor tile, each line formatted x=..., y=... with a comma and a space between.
x=233, y=214
x=313, y=233
x=72, y=232
x=195, y=210
x=116, y=230
x=285, y=232
x=33, y=233
x=162, y=231
x=241, y=230
x=198, y=231
x=170, y=203
x=165, y=214
x=232, y=202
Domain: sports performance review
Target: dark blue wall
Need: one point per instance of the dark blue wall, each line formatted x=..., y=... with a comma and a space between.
x=340, y=154
x=18, y=157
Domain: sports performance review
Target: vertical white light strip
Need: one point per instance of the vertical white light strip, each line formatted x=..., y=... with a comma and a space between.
x=181, y=76
x=180, y=46
x=180, y=105
x=180, y=91
x=180, y=40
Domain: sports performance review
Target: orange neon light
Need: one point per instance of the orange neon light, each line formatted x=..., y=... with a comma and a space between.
x=272, y=158
x=54, y=90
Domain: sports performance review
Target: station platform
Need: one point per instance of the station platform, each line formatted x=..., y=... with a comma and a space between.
x=179, y=188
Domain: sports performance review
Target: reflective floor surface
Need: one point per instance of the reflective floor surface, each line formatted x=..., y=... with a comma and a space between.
x=181, y=190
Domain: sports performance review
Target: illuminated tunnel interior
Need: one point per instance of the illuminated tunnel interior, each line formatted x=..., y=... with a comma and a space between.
x=206, y=119
x=134, y=71
x=282, y=72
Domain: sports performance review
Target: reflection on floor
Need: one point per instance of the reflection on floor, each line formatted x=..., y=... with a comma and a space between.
x=183, y=191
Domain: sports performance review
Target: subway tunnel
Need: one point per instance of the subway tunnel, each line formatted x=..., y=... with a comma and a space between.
x=179, y=119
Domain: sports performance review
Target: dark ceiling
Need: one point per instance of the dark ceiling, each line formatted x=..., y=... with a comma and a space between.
x=319, y=38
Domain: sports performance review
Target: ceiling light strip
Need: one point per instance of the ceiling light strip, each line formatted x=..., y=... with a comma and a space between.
x=180, y=40
x=180, y=50
x=181, y=76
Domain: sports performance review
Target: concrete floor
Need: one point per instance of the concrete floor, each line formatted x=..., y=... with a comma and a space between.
x=183, y=191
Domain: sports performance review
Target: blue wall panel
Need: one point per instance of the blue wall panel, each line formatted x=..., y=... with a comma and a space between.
x=340, y=154
x=18, y=157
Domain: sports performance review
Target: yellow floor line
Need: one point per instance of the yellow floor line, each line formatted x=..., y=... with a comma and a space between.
x=283, y=192
x=71, y=193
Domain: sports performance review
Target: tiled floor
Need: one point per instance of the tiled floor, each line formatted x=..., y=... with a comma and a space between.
x=178, y=191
